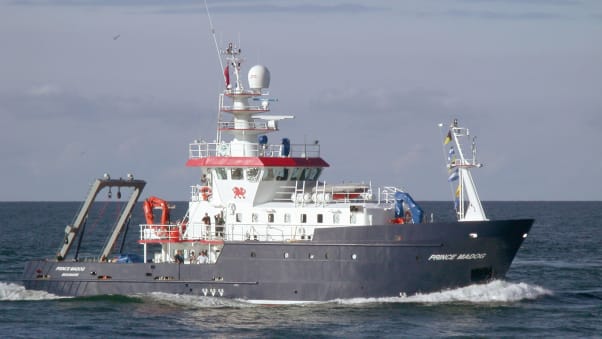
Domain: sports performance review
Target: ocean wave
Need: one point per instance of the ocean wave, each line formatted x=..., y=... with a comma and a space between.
x=585, y=264
x=13, y=292
x=497, y=291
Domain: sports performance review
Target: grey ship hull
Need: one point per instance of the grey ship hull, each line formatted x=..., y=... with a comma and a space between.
x=339, y=263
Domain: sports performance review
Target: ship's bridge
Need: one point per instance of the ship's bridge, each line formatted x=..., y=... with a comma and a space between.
x=257, y=173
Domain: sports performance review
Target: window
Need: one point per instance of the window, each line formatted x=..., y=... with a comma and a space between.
x=238, y=217
x=268, y=174
x=252, y=174
x=270, y=217
x=221, y=173
x=254, y=217
x=287, y=218
x=320, y=218
x=236, y=173
x=303, y=218
x=312, y=174
x=282, y=174
x=298, y=174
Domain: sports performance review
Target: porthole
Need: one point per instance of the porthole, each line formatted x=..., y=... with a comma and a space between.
x=253, y=255
x=285, y=255
x=310, y=256
x=354, y=256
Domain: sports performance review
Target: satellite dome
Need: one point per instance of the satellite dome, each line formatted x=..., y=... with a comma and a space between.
x=259, y=77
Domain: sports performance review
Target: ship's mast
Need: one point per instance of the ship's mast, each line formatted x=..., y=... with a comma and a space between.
x=466, y=199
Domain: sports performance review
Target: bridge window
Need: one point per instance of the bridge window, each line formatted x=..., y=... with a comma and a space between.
x=312, y=174
x=221, y=173
x=236, y=173
x=298, y=174
x=282, y=174
x=252, y=174
x=268, y=174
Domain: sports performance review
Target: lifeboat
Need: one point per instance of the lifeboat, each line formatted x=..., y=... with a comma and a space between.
x=148, y=205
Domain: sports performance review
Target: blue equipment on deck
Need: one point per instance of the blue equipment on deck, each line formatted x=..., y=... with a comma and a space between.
x=400, y=198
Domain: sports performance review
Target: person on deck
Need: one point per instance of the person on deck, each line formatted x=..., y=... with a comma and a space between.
x=202, y=259
x=179, y=258
x=207, y=221
x=191, y=258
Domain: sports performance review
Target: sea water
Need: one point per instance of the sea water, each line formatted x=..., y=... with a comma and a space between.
x=553, y=289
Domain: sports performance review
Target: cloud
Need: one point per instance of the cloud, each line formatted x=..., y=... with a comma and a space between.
x=58, y=135
x=45, y=90
x=508, y=15
x=195, y=6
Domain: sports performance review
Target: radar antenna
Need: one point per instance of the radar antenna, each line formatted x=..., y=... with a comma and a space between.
x=219, y=58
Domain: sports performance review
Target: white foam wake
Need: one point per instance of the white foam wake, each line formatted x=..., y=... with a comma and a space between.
x=10, y=291
x=497, y=291
x=195, y=301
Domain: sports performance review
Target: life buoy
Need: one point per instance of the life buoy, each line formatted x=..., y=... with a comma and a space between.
x=407, y=217
x=206, y=192
x=398, y=220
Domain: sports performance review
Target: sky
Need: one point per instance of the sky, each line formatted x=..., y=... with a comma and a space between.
x=93, y=87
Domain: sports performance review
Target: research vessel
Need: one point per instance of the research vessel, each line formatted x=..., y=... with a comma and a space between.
x=263, y=227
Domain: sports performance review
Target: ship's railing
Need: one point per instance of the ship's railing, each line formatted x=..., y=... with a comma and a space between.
x=255, y=109
x=267, y=232
x=265, y=125
x=387, y=194
x=202, y=149
x=323, y=194
x=174, y=233
x=180, y=232
x=156, y=232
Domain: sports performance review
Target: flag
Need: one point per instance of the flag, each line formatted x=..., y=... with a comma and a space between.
x=447, y=138
x=453, y=176
x=227, y=75
x=451, y=155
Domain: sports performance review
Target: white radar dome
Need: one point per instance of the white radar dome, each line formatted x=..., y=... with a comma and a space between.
x=259, y=77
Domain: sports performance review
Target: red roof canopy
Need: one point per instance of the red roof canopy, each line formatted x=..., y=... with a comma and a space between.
x=256, y=162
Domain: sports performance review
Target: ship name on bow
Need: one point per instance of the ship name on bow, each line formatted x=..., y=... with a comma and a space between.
x=454, y=256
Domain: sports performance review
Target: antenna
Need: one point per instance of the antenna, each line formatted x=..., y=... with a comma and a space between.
x=221, y=65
